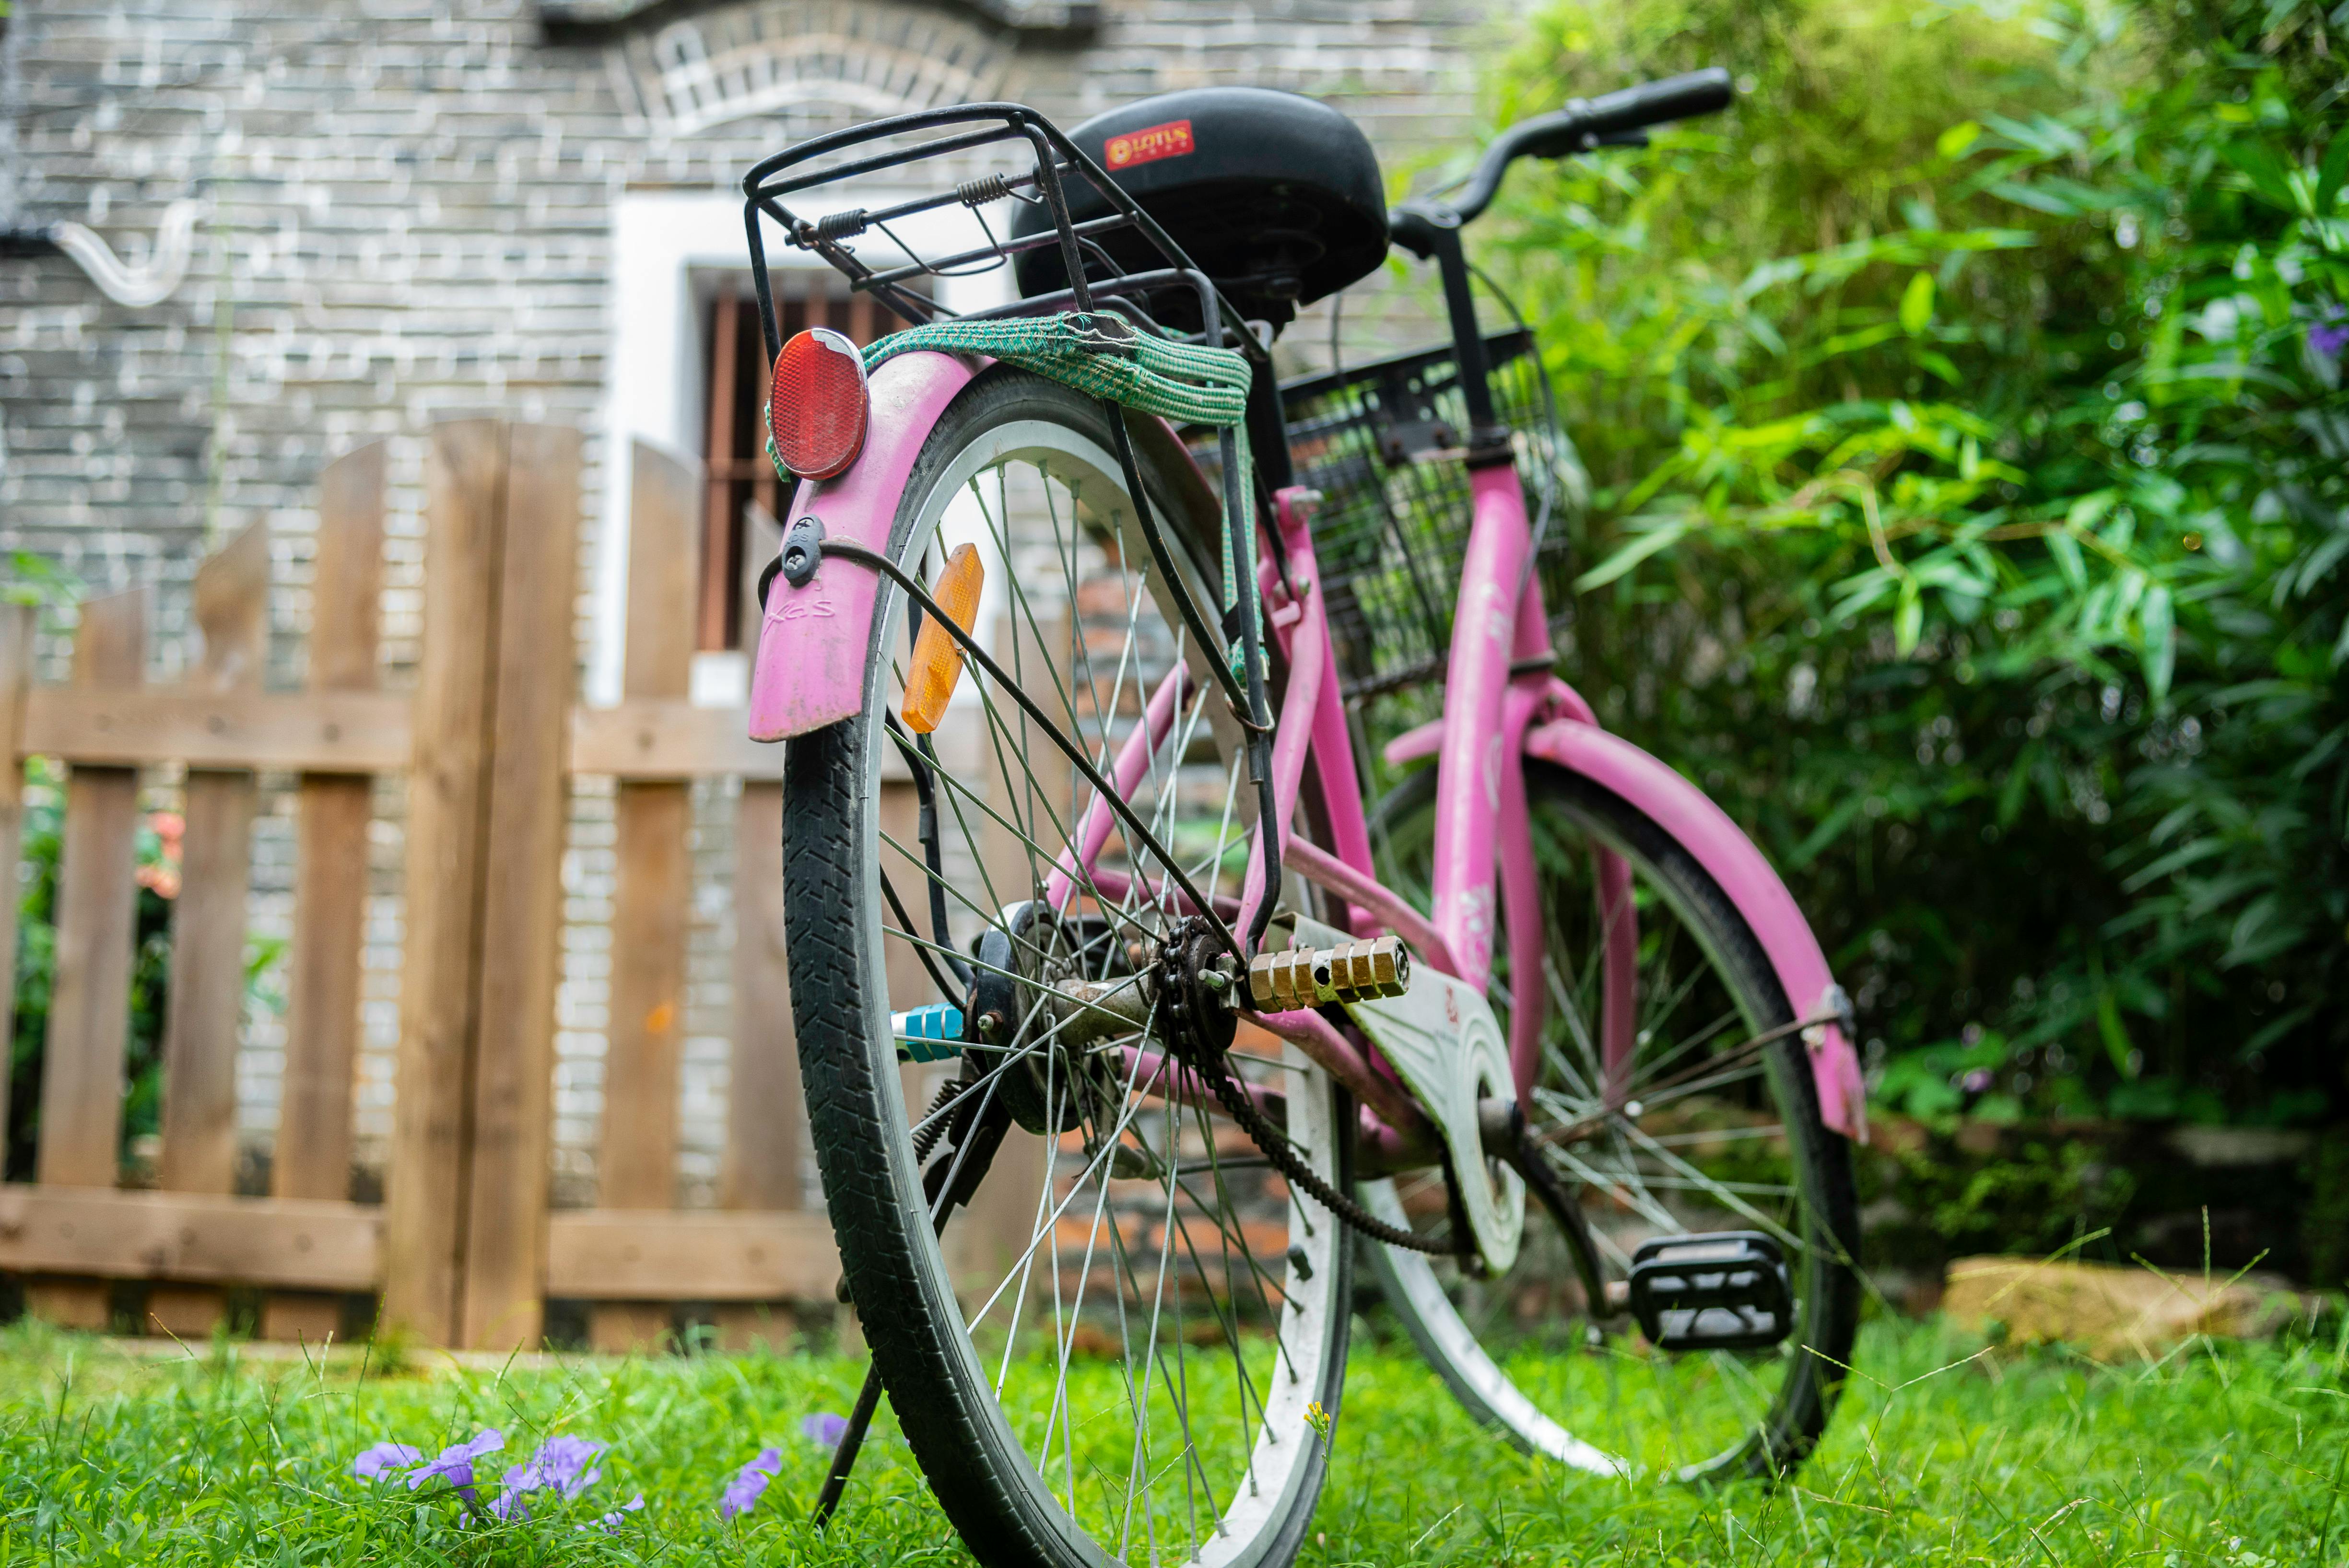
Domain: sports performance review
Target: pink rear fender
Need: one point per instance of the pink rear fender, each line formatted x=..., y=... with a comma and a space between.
x=812, y=641
x=1682, y=810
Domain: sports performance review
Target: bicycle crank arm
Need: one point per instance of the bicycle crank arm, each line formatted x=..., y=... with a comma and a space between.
x=1525, y=1157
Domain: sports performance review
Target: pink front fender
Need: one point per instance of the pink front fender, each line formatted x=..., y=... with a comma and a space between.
x=810, y=669
x=1682, y=810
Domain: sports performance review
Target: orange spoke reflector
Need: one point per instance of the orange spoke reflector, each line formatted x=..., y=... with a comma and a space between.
x=937, y=658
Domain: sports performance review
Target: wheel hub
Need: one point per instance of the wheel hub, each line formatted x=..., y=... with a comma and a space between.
x=1044, y=990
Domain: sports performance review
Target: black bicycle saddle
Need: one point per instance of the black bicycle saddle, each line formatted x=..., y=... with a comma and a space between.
x=1276, y=196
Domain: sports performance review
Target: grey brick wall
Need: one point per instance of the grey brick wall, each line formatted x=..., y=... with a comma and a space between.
x=409, y=217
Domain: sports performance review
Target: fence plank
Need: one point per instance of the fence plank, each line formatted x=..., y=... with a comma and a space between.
x=89, y=1006
x=327, y=732
x=200, y=1030
x=313, y=1156
x=670, y=738
x=330, y=883
x=205, y=1004
x=637, y=1167
x=197, y=1237
x=653, y=889
x=347, y=581
x=766, y=1116
x=465, y=483
x=314, y=1139
x=766, y=1110
x=17, y=624
x=90, y=1011
x=663, y=1256
x=536, y=651
x=661, y=529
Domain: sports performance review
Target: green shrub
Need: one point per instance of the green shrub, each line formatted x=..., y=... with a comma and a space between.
x=1966, y=421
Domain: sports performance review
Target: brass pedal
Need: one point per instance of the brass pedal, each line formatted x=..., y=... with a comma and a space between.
x=1309, y=976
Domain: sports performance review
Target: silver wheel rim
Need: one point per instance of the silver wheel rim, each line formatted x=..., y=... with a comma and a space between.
x=1181, y=1496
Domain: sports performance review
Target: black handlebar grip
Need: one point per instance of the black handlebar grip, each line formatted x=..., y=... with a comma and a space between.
x=1613, y=120
x=1657, y=103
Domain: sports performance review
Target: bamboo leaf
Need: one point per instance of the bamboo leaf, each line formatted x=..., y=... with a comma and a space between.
x=2329, y=173
x=2156, y=617
x=2265, y=169
x=2177, y=859
x=1630, y=555
x=2115, y=1034
x=2066, y=551
x=1917, y=304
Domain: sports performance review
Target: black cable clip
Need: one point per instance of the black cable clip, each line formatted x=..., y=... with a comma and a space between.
x=802, y=553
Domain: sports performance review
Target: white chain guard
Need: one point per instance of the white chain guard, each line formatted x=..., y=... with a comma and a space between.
x=1447, y=1047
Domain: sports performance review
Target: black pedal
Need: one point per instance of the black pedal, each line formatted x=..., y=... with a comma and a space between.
x=1725, y=1290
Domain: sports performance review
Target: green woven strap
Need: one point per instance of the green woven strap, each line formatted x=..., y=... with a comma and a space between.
x=1104, y=356
x=1101, y=355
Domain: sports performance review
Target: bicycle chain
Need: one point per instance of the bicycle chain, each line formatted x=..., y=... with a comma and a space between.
x=1202, y=1030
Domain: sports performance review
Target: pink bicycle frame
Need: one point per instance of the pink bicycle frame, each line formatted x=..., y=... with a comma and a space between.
x=810, y=671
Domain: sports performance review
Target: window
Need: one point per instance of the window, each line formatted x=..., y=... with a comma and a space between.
x=739, y=522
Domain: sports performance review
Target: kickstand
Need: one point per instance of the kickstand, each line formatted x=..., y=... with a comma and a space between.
x=965, y=1167
x=844, y=1457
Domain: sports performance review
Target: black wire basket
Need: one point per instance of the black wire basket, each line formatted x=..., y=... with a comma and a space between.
x=1381, y=442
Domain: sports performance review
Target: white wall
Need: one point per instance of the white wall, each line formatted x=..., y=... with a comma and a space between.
x=668, y=247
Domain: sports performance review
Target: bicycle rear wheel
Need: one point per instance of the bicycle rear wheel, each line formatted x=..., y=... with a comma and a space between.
x=1110, y=1356
x=1701, y=1130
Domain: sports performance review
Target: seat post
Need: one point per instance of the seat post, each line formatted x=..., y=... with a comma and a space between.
x=1268, y=425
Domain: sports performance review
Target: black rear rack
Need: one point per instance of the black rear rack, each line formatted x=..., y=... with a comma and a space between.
x=1036, y=161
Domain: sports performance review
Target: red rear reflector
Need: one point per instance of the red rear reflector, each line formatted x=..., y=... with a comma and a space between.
x=817, y=405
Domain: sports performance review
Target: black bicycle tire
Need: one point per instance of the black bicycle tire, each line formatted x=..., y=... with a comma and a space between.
x=872, y=1187
x=1806, y=1402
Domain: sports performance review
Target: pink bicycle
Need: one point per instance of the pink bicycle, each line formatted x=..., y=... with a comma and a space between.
x=1094, y=938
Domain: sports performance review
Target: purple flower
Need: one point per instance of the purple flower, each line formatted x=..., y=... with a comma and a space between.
x=455, y=1464
x=2328, y=339
x=371, y=1464
x=742, y=1493
x=612, y=1521
x=1977, y=1080
x=561, y=1463
x=824, y=1428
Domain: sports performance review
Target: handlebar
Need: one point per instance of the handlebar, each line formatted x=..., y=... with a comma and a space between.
x=1615, y=119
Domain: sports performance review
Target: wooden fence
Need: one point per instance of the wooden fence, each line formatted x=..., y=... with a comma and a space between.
x=464, y=1250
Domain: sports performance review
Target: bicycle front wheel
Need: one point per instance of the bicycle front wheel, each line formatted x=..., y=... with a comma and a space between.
x=1699, y=1126
x=1114, y=1351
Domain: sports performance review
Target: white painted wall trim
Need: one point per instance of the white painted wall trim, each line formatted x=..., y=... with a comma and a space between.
x=665, y=244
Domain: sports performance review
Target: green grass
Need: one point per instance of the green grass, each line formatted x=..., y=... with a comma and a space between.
x=2225, y=1454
